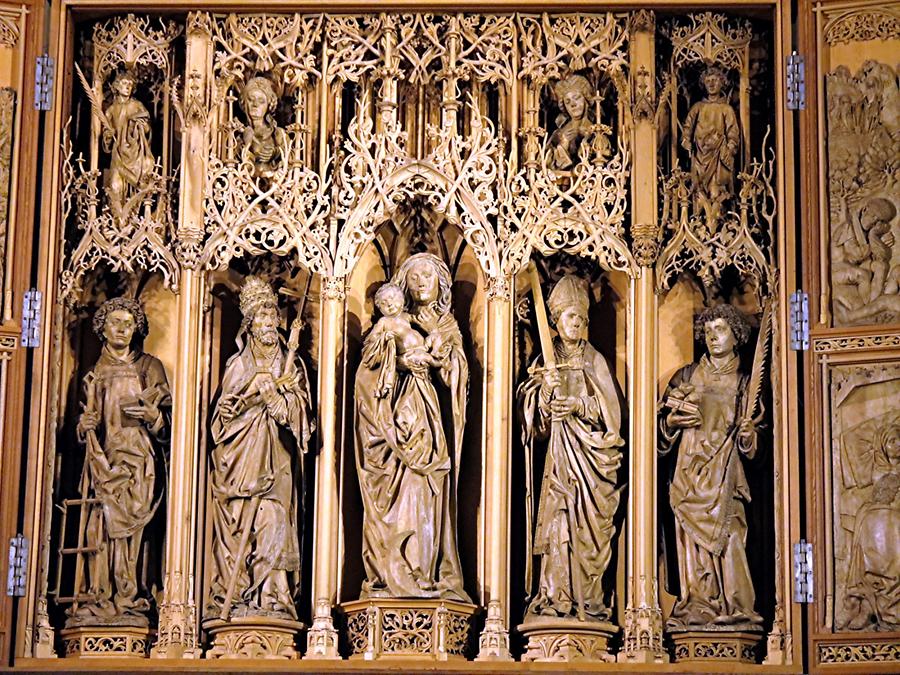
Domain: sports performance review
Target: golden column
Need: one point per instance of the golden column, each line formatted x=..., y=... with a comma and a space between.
x=493, y=644
x=322, y=638
x=177, y=633
x=643, y=617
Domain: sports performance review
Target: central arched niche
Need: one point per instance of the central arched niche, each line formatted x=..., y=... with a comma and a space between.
x=415, y=228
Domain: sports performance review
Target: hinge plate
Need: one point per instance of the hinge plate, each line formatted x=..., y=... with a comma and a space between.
x=803, y=572
x=796, y=82
x=799, y=317
x=31, y=318
x=18, y=556
x=44, y=74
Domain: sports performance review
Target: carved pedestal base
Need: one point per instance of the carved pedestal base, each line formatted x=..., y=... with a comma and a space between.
x=406, y=628
x=253, y=638
x=322, y=638
x=493, y=643
x=737, y=646
x=553, y=639
x=107, y=641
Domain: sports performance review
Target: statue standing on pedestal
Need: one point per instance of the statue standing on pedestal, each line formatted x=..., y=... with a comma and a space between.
x=572, y=404
x=125, y=427
x=127, y=138
x=704, y=420
x=408, y=445
x=712, y=135
x=261, y=426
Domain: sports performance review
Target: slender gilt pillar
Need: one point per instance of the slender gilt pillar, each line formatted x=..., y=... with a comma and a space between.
x=322, y=638
x=493, y=644
x=643, y=617
x=177, y=633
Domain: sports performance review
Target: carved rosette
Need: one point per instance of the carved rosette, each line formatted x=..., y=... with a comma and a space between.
x=253, y=638
x=732, y=646
x=107, y=641
x=567, y=640
x=390, y=628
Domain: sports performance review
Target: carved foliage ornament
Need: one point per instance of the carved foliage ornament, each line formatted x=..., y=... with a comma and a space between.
x=261, y=195
x=862, y=25
x=710, y=38
x=124, y=212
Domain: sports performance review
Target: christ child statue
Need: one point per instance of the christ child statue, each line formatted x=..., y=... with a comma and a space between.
x=395, y=327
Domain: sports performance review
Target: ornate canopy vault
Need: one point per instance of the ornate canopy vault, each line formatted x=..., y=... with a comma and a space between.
x=452, y=333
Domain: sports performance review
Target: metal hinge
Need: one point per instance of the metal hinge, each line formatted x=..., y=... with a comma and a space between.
x=31, y=318
x=44, y=72
x=18, y=555
x=803, y=572
x=796, y=82
x=799, y=306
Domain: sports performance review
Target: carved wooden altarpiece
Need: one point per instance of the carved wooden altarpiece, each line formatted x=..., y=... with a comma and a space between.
x=352, y=245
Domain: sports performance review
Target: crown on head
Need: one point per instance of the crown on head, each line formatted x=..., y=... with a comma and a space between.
x=255, y=294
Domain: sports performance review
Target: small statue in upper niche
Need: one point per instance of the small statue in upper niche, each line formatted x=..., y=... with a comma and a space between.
x=573, y=406
x=261, y=424
x=872, y=596
x=264, y=140
x=712, y=135
x=126, y=136
x=575, y=127
x=704, y=419
x=125, y=426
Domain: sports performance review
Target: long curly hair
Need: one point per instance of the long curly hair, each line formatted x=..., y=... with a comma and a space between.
x=445, y=281
x=735, y=318
x=133, y=307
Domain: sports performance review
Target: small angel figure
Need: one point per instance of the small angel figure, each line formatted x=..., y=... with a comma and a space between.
x=395, y=323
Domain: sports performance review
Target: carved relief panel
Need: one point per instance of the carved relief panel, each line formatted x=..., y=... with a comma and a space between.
x=854, y=302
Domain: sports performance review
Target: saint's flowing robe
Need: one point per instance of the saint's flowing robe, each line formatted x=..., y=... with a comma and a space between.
x=714, y=133
x=132, y=158
x=578, y=493
x=123, y=460
x=253, y=459
x=707, y=493
x=408, y=470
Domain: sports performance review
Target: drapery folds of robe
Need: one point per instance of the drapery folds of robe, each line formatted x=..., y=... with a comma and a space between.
x=578, y=492
x=127, y=475
x=407, y=467
x=129, y=142
x=255, y=457
x=707, y=493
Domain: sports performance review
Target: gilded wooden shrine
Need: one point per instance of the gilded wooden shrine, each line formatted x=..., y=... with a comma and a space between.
x=446, y=333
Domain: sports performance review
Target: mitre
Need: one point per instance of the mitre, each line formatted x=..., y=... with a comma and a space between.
x=570, y=291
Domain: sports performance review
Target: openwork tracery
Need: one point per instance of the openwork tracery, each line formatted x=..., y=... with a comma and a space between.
x=125, y=209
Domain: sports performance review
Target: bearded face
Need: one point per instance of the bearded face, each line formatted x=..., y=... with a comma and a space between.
x=264, y=326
